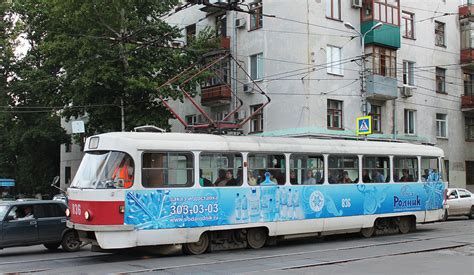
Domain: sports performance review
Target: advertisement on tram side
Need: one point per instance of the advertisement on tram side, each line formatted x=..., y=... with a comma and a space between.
x=180, y=208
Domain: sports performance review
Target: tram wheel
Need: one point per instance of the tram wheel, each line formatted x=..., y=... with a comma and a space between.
x=367, y=232
x=404, y=225
x=471, y=216
x=256, y=237
x=198, y=247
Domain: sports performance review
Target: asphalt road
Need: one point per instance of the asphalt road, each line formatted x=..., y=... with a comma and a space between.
x=439, y=248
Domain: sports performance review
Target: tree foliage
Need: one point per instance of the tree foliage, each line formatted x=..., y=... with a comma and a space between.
x=85, y=58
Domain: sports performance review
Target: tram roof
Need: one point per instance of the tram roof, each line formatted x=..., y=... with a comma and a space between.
x=132, y=141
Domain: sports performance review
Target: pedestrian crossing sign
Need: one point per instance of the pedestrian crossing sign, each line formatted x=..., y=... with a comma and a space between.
x=364, y=125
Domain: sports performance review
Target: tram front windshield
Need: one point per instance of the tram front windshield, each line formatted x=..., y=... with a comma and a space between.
x=104, y=169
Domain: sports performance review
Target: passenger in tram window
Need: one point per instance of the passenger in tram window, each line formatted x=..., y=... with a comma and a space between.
x=345, y=177
x=203, y=181
x=365, y=177
x=240, y=176
x=377, y=177
x=425, y=176
x=406, y=176
x=231, y=181
x=221, y=179
x=252, y=179
x=309, y=178
x=318, y=177
x=332, y=178
x=293, y=179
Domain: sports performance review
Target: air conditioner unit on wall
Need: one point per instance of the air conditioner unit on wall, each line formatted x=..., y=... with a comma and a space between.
x=240, y=23
x=248, y=88
x=357, y=4
x=407, y=91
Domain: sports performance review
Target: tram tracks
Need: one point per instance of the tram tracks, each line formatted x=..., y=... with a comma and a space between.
x=282, y=255
x=101, y=259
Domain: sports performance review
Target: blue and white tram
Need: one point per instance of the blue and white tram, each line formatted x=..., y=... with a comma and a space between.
x=143, y=189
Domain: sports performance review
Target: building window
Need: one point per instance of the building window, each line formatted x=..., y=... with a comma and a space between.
x=190, y=33
x=468, y=85
x=334, y=114
x=221, y=25
x=439, y=34
x=191, y=119
x=256, y=66
x=441, y=126
x=469, y=125
x=440, y=80
x=410, y=122
x=333, y=9
x=408, y=25
x=470, y=172
x=376, y=114
x=67, y=175
x=408, y=73
x=387, y=11
x=67, y=147
x=256, y=16
x=256, y=123
x=333, y=59
x=467, y=34
x=384, y=61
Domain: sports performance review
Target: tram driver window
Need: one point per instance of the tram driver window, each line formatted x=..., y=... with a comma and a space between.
x=406, y=169
x=428, y=164
x=220, y=169
x=167, y=170
x=343, y=169
x=375, y=169
x=306, y=169
x=260, y=164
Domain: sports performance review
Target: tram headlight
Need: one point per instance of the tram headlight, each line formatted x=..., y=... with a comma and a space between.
x=87, y=215
x=121, y=209
x=68, y=212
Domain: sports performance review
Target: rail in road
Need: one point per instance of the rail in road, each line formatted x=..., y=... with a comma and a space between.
x=291, y=256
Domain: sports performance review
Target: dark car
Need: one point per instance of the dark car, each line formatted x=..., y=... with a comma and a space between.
x=24, y=223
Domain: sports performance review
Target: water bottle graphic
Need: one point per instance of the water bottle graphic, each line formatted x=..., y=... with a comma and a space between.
x=283, y=207
x=238, y=207
x=244, y=213
x=254, y=203
x=276, y=206
x=296, y=204
x=289, y=204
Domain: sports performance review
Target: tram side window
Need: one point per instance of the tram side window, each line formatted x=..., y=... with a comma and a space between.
x=406, y=169
x=375, y=169
x=259, y=164
x=306, y=169
x=429, y=164
x=343, y=169
x=167, y=170
x=220, y=169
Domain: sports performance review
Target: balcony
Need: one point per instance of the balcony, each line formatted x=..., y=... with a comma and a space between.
x=466, y=11
x=467, y=103
x=216, y=95
x=387, y=35
x=225, y=42
x=381, y=87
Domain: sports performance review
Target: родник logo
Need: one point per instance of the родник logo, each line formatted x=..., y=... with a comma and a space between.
x=412, y=202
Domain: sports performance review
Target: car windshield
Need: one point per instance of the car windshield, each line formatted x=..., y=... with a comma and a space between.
x=104, y=169
x=3, y=210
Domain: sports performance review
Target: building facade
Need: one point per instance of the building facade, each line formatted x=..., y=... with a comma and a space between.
x=307, y=56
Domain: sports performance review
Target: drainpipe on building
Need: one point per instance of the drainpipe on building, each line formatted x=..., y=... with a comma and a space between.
x=233, y=104
x=394, y=119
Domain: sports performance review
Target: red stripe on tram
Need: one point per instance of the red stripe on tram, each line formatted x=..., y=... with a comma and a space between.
x=99, y=212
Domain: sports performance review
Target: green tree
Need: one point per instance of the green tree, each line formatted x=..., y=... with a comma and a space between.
x=107, y=54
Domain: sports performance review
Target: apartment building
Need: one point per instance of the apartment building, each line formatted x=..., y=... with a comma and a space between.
x=307, y=56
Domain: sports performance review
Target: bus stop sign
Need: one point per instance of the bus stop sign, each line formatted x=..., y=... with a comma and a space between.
x=364, y=125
